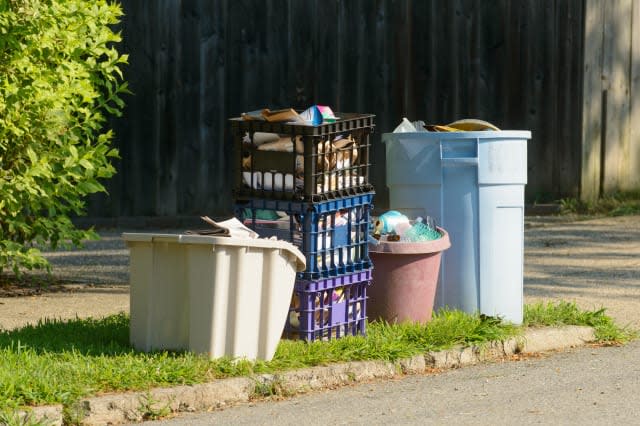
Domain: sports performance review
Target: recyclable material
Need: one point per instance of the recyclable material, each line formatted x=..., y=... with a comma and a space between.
x=395, y=226
x=336, y=160
x=228, y=228
x=407, y=126
x=463, y=125
x=315, y=115
x=420, y=232
x=291, y=161
x=387, y=222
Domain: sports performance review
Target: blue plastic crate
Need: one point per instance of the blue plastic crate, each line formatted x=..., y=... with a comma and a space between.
x=331, y=234
x=328, y=309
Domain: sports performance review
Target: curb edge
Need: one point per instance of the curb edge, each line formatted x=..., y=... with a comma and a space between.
x=138, y=406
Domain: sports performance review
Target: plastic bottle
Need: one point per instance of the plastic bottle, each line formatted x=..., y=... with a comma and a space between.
x=387, y=222
x=401, y=228
x=420, y=232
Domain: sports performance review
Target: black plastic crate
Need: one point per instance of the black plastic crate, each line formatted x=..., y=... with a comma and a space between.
x=329, y=308
x=332, y=235
x=305, y=163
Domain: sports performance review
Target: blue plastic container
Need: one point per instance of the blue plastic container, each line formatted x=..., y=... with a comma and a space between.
x=331, y=234
x=472, y=183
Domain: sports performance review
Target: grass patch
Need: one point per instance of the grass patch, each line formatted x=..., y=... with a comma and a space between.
x=617, y=204
x=390, y=342
x=13, y=418
x=61, y=362
x=566, y=313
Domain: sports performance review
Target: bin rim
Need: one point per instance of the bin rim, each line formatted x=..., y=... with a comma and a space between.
x=480, y=134
x=301, y=262
x=423, y=247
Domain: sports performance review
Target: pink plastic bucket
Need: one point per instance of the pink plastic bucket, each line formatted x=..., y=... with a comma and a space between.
x=405, y=276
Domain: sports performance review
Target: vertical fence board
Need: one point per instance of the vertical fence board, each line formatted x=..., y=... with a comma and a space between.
x=213, y=165
x=188, y=123
x=592, y=99
x=617, y=39
x=634, y=115
x=568, y=94
x=327, y=32
x=380, y=96
x=430, y=56
x=537, y=81
x=493, y=49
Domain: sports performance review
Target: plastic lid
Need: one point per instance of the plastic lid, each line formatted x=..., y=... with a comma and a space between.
x=301, y=262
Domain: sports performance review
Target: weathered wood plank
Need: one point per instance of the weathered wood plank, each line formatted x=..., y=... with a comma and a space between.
x=569, y=93
x=301, y=54
x=617, y=39
x=329, y=26
x=537, y=84
x=634, y=113
x=592, y=98
x=188, y=122
x=494, y=52
x=380, y=95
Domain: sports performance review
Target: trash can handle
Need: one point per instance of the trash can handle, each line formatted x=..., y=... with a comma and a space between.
x=459, y=153
x=459, y=162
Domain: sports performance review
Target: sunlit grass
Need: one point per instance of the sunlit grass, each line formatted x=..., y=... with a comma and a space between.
x=59, y=362
x=618, y=204
x=566, y=313
x=63, y=361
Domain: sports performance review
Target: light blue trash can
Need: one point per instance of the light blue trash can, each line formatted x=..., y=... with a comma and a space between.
x=472, y=183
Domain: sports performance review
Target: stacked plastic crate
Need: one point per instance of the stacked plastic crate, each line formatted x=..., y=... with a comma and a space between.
x=310, y=185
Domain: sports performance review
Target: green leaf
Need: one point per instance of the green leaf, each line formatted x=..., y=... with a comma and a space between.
x=60, y=80
x=86, y=164
x=73, y=151
x=89, y=187
x=32, y=155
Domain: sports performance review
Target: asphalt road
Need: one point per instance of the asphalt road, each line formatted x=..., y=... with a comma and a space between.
x=585, y=386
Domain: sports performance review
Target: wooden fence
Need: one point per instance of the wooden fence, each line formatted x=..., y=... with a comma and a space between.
x=611, y=108
x=516, y=63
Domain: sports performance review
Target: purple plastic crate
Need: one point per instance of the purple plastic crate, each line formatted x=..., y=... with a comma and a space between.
x=328, y=309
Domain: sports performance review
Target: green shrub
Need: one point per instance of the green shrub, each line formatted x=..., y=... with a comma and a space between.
x=60, y=79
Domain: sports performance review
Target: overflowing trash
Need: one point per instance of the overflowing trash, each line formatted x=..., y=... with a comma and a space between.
x=315, y=115
x=334, y=162
x=276, y=148
x=445, y=169
x=395, y=226
x=303, y=177
x=463, y=125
